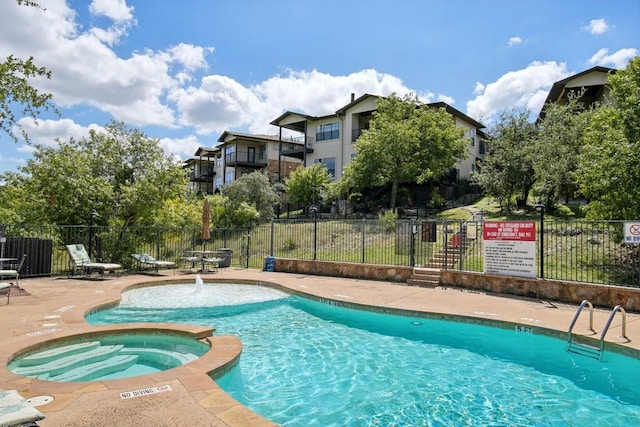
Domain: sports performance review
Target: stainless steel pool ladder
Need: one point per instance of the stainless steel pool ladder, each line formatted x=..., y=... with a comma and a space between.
x=590, y=350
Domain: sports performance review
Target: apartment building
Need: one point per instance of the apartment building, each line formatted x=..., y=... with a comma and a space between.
x=238, y=154
x=590, y=86
x=330, y=140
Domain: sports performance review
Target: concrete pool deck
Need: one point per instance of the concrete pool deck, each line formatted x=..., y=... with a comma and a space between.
x=55, y=307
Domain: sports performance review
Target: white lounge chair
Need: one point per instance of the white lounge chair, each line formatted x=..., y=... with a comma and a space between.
x=81, y=263
x=146, y=262
x=16, y=411
x=14, y=273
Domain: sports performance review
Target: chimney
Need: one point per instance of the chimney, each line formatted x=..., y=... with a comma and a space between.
x=353, y=96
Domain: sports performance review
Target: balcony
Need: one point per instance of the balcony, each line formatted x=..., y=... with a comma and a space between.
x=295, y=147
x=249, y=159
x=202, y=177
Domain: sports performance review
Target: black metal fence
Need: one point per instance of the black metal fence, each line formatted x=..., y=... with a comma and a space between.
x=580, y=251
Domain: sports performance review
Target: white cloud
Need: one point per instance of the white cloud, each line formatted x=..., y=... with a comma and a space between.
x=190, y=56
x=597, y=26
x=527, y=87
x=448, y=99
x=317, y=93
x=85, y=70
x=478, y=88
x=117, y=10
x=47, y=132
x=618, y=59
x=219, y=103
x=180, y=148
x=514, y=41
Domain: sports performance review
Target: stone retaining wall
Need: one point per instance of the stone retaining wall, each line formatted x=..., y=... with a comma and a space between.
x=554, y=290
x=345, y=269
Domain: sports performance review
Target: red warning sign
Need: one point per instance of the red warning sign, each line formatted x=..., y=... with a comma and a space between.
x=510, y=230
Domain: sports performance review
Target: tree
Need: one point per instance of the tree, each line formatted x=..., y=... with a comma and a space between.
x=249, y=200
x=119, y=172
x=308, y=186
x=609, y=165
x=557, y=148
x=15, y=90
x=407, y=142
x=507, y=170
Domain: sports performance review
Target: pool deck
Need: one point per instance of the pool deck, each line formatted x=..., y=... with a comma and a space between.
x=55, y=307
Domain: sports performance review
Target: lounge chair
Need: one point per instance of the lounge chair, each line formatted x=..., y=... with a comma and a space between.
x=147, y=262
x=14, y=274
x=5, y=289
x=81, y=263
x=16, y=411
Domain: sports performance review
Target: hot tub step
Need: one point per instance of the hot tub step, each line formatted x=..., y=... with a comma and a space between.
x=155, y=356
x=98, y=369
x=55, y=353
x=66, y=363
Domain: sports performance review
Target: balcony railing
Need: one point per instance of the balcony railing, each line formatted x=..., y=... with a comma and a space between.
x=295, y=147
x=246, y=158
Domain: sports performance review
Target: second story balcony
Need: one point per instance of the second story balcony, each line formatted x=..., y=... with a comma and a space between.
x=246, y=158
x=296, y=147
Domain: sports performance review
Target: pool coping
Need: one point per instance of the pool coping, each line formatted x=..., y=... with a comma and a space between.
x=194, y=389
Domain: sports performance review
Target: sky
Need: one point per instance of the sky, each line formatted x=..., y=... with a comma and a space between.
x=186, y=71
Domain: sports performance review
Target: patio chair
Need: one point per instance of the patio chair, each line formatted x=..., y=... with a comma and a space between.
x=16, y=411
x=5, y=289
x=14, y=274
x=81, y=263
x=147, y=262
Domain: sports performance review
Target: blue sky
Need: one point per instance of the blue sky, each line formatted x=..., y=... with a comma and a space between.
x=185, y=71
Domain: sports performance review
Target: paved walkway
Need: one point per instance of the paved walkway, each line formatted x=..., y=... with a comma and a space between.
x=55, y=308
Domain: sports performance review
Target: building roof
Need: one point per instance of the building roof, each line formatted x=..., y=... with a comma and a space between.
x=299, y=120
x=559, y=88
x=226, y=135
x=456, y=112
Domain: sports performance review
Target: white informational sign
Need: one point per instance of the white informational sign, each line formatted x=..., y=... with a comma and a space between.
x=632, y=232
x=510, y=248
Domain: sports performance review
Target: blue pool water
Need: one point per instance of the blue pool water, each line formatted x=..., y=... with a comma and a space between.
x=306, y=363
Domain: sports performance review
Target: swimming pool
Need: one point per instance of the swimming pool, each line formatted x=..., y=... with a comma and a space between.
x=309, y=363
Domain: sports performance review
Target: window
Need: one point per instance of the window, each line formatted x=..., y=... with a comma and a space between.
x=262, y=152
x=230, y=154
x=330, y=164
x=228, y=177
x=328, y=131
x=472, y=135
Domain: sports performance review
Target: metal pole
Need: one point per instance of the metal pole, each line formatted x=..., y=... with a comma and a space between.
x=542, y=243
x=92, y=215
x=539, y=207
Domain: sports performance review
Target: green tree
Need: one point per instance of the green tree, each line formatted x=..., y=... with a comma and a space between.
x=15, y=91
x=119, y=172
x=609, y=165
x=507, y=170
x=250, y=200
x=406, y=142
x=308, y=186
x=557, y=148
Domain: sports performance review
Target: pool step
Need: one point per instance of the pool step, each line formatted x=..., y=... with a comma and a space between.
x=65, y=363
x=152, y=355
x=584, y=350
x=49, y=355
x=97, y=369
